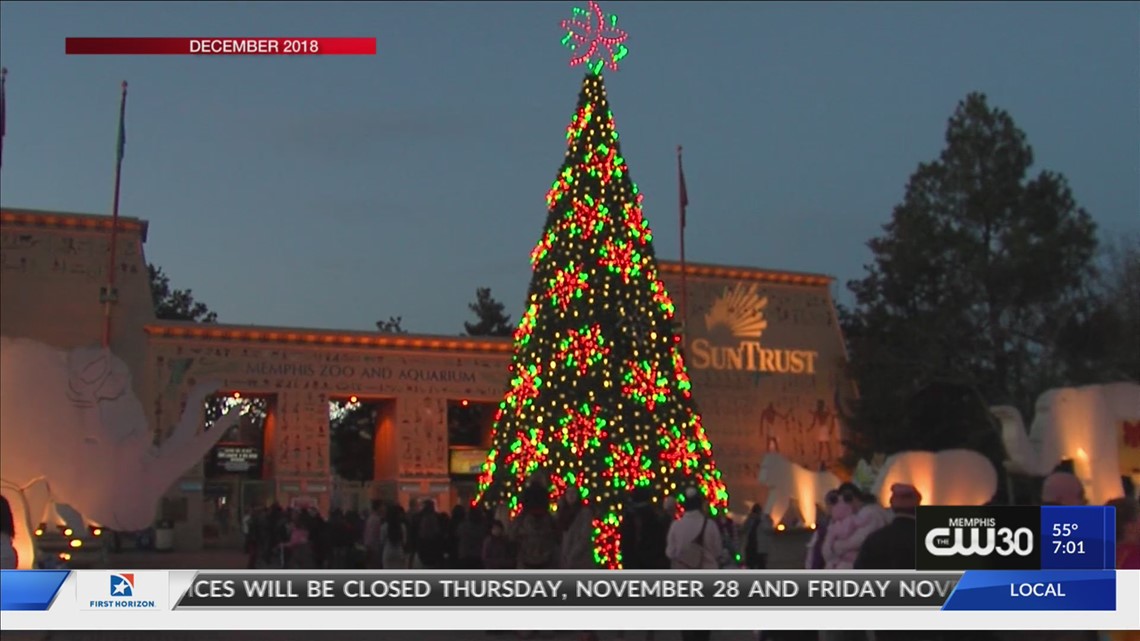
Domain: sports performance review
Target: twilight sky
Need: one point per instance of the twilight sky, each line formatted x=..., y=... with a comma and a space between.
x=331, y=192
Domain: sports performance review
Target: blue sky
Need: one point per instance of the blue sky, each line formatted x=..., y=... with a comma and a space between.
x=330, y=192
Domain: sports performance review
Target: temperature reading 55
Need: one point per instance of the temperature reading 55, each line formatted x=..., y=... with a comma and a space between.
x=1068, y=547
x=1064, y=530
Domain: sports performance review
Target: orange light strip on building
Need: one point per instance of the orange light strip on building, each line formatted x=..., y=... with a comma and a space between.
x=220, y=333
x=743, y=273
x=55, y=220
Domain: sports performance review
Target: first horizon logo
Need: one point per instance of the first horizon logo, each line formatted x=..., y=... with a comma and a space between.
x=122, y=592
x=122, y=585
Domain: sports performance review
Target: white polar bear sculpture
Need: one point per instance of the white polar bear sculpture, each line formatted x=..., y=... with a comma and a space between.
x=70, y=422
x=787, y=481
x=949, y=477
x=1080, y=424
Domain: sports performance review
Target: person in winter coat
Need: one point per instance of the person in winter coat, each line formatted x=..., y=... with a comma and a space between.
x=758, y=530
x=535, y=532
x=577, y=524
x=729, y=552
x=841, y=528
x=1127, y=533
x=469, y=537
x=373, y=542
x=299, y=547
x=868, y=516
x=497, y=553
x=644, y=528
x=814, y=558
x=9, y=560
x=393, y=552
x=694, y=543
x=893, y=547
x=428, y=537
x=1127, y=551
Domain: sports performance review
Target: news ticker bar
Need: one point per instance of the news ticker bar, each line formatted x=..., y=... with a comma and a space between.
x=1058, y=590
x=220, y=46
x=1016, y=538
x=82, y=600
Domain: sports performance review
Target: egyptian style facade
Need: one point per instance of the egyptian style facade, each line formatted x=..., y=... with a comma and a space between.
x=761, y=386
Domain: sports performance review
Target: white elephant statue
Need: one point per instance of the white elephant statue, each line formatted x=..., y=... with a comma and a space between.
x=71, y=423
x=1080, y=424
x=787, y=481
x=949, y=477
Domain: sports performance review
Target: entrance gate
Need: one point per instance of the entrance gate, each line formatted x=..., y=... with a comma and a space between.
x=226, y=503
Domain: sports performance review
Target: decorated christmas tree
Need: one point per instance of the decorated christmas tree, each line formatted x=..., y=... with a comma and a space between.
x=599, y=399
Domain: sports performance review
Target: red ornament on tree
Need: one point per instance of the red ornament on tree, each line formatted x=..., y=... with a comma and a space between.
x=560, y=187
x=638, y=228
x=527, y=453
x=620, y=258
x=579, y=121
x=583, y=348
x=581, y=429
x=566, y=285
x=644, y=384
x=629, y=467
x=587, y=218
x=603, y=166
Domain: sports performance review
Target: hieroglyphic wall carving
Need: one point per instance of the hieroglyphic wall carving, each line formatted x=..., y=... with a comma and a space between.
x=303, y=380
x=78, y=255
x=52, y=279
x=422, y=436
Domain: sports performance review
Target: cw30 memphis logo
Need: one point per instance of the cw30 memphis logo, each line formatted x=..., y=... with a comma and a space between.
x=734, y=324
x=978, y=538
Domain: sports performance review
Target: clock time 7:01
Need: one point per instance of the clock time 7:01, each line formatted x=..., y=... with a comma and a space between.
x=1068, y=547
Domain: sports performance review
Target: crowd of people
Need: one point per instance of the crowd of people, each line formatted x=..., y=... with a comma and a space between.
x=384, y=537
x=853, y=532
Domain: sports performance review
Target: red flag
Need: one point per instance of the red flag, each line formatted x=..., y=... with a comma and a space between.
x=684, y=195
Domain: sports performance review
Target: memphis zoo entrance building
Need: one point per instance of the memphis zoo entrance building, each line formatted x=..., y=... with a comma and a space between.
x=336, y=418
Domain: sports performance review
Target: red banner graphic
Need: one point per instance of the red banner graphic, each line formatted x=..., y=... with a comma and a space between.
x=221, y=46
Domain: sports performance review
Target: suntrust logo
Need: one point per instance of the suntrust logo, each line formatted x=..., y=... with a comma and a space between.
x=734, y=325
x=978, y=538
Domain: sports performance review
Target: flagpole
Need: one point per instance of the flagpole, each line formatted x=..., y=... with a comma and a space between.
x=110, y=295
x=3, y=111
x=683, y=202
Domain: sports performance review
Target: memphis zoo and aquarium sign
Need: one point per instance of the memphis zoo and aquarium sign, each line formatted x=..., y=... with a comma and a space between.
x=749, y=356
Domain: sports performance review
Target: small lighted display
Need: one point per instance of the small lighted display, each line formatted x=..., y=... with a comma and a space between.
x=594, y=39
